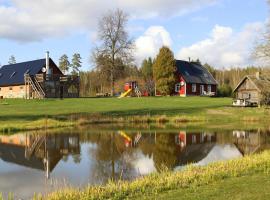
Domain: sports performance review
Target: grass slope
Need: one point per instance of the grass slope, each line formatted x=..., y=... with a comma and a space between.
x=251, y=187
x=193, y=178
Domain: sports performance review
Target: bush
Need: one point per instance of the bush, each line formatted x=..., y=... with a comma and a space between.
x=224, y=91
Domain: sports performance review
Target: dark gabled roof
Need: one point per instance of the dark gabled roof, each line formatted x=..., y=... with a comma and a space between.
x=14, y=74
x=16, y=155
x=194, y=153
x=194, y=73
x=262, y=83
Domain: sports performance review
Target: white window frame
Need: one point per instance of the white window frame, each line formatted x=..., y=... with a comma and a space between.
x=177, y=87
x=209, y=88
x=194, y=87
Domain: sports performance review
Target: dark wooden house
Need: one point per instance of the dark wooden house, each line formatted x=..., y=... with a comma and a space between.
x=249, y=92
x=37, y=79
x=194, y=80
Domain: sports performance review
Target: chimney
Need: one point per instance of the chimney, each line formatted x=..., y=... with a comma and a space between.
x=47, y=63
x=258, y=75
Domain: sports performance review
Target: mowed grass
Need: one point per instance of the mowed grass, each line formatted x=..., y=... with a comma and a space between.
x=249, y=187
x=29, y=114
x=111, y=106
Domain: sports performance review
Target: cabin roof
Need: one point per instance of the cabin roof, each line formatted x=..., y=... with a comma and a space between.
x=14, y=74
x=262, y=83
x=194, y=73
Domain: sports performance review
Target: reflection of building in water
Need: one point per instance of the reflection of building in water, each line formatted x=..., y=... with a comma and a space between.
x=194, y=146
x=249, y=142
x=184, y=139
x=41, y=152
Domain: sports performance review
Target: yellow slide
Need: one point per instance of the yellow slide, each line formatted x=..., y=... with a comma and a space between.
x=125, y=94
x=122, y=133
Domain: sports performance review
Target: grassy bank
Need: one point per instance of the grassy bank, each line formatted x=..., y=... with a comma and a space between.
x=170, y=184
x=236, y=188
x=30, y=114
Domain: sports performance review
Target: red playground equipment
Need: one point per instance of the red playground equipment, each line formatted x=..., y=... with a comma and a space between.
x=131, y=89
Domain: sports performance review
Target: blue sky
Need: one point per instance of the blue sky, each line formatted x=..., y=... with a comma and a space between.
x=220, y=32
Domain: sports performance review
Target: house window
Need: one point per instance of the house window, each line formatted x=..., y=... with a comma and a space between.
x=194, y=87
x=10, y=88
x=27, y=71
x=12, y=74
x=177, y=87
x=209, y=88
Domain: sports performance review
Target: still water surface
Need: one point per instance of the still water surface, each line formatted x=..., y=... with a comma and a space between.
x=42, y=162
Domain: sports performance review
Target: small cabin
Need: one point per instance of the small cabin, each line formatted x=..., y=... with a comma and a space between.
x=37, y=79
x=249, y=92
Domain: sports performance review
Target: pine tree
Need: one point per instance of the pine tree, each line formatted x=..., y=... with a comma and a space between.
x=147, y=68
x=64, y=63
x=147, y=73
x=76, y=63
x=164, y=69
x=12, y=60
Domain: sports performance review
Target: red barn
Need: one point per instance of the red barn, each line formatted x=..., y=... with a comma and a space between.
x=194, y=80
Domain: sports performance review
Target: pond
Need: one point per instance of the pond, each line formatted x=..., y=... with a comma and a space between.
x=41, y=162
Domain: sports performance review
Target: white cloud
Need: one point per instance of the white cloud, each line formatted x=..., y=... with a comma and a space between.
x=34, y=20
x=225, y=47
x=150, y=42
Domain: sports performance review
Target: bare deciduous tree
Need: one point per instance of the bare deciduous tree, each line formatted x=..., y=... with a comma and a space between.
x=262, y=47
x=114, y=41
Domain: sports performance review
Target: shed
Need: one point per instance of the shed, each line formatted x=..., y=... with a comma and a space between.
x=249, y=92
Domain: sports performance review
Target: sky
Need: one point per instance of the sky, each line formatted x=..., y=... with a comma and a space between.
x=219, y=32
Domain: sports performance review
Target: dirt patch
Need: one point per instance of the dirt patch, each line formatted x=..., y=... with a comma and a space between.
x=217, y=112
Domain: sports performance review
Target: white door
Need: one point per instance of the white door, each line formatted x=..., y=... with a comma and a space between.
x=202, y=89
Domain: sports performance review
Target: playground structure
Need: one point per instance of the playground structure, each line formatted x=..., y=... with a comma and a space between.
x=129, y=142
x=131, y=90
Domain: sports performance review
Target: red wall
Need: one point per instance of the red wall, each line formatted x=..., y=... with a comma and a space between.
x=187, y=90
x=182, y=89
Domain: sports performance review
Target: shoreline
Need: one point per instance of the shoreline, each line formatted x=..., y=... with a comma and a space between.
x=153, y=184
x=98, y=119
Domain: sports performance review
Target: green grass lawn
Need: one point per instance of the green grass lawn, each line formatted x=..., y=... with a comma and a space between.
x=111, y=106
x=252, y=187
x=16, y=113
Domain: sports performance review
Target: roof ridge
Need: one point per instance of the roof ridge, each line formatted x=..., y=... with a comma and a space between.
x=24, y=62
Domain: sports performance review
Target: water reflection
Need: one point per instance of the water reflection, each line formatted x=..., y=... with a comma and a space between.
x=41, y=162
x=42, y=152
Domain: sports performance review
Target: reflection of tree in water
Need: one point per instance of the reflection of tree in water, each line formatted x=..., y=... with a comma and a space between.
x=147, y=145
x=65, y=158
x=165, y=152
x=113, y=158
x=76, y=158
